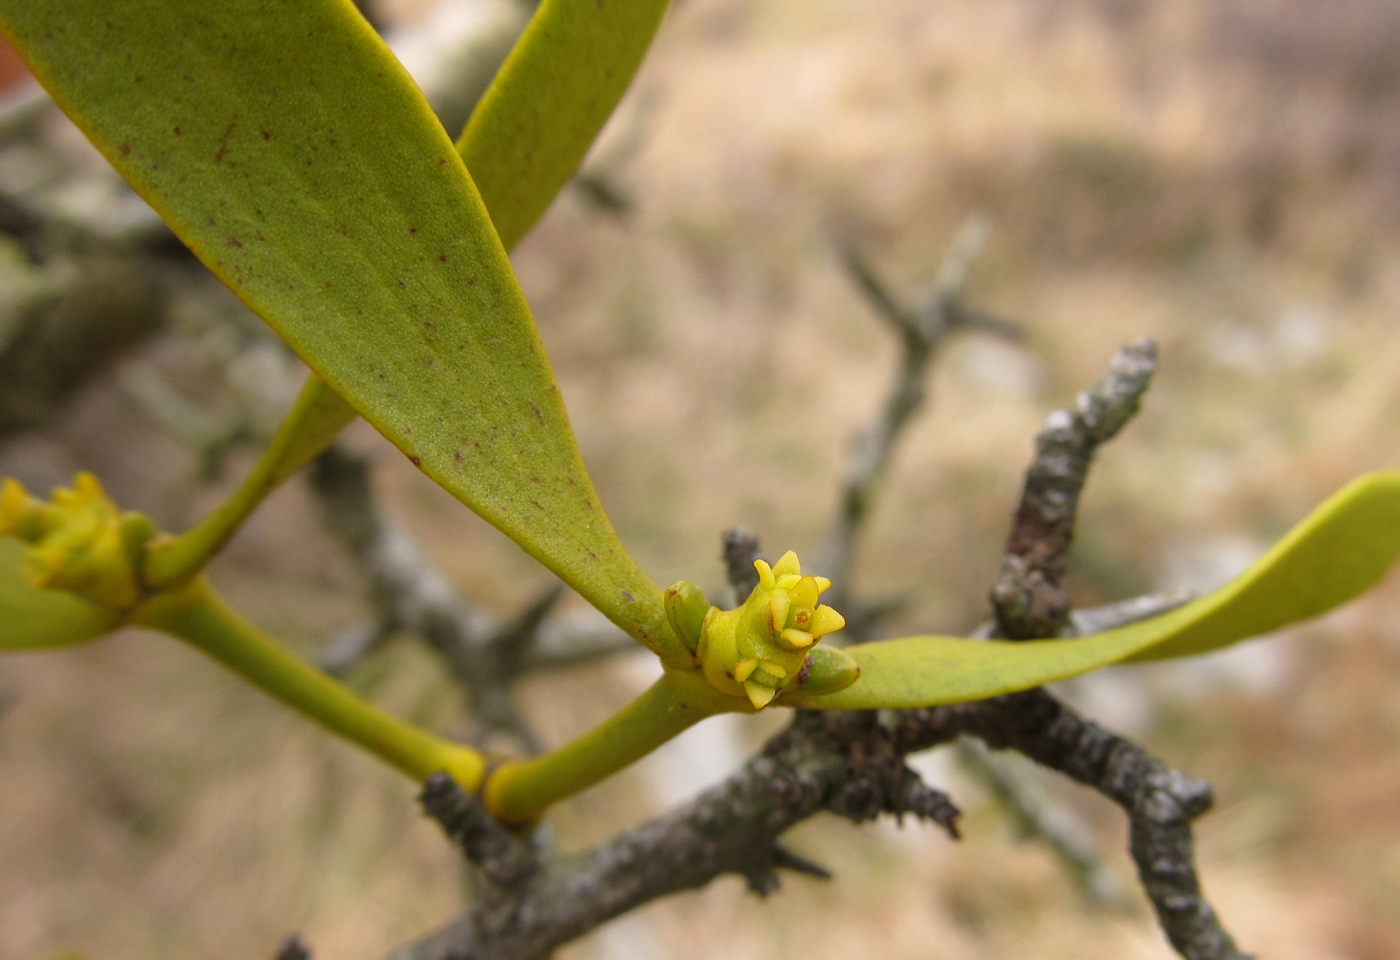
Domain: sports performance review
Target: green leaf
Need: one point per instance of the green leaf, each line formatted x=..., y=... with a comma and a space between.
x=297, y=159
x=1341, y=550
x=34, y=619
x=534, y=125
x=560, y=84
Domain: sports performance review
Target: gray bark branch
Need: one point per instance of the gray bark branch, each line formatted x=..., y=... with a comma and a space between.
x=1027, y=598
x=853, y=765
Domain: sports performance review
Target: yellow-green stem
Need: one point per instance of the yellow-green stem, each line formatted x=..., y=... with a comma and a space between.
x=316, y=419
x=198, y=616
x=518, y=791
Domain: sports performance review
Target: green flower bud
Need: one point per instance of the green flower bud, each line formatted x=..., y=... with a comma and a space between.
x=760, y=649
x=686, y=609
x=827, y=670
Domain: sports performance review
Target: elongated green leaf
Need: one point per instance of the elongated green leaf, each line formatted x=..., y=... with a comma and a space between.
x=1337, y=553
x=34, y=619
x=291, y=152
x=560, y=84
x=539, y=117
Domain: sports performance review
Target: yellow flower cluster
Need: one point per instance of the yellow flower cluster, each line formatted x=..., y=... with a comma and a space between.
x=79, y=541
x=765, y=646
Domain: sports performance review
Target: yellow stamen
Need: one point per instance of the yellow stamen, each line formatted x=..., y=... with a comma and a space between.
x=87, y=485
x=787, y=563
x=745, y=668
x=778, y=612
x=823, y=584
x=787, y=581
x=798, y=638
x=759, y=695
x=774, y=669
x=765, y=574
x=804, y=594
x=826, y=620
x=13, y=499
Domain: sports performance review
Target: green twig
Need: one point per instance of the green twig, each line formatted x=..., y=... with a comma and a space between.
x=519, y=791
x=198, y=616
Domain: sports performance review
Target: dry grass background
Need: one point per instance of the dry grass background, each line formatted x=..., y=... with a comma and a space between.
x=1221, y=176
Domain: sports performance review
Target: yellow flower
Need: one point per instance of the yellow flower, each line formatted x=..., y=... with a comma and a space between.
x=79, y=541
x=765, y=646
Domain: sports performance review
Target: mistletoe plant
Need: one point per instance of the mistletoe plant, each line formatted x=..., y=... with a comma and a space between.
x=289, y=150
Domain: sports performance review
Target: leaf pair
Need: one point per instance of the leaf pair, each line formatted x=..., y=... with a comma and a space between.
x=291, y=152
x=297, y=159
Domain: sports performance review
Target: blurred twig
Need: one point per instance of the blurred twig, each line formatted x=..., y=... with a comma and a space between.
x=408, y=593
x=293, y=949
x=22, y=110
x=740, y=552
x=600, y=180
x=922, y=329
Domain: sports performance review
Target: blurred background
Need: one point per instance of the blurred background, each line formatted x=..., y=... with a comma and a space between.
x=1221, y=175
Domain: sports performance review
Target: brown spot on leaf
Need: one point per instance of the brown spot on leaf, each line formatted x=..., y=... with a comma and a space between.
x=125, y=148
x=223, y=142
x=416, y=461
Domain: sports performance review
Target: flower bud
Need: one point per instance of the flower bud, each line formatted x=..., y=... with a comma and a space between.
x=79, y=542
x=766, y=645
x=828, y=670
x=686, y=609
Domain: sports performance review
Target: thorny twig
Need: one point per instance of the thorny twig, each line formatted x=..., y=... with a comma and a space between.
x=922, y=329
